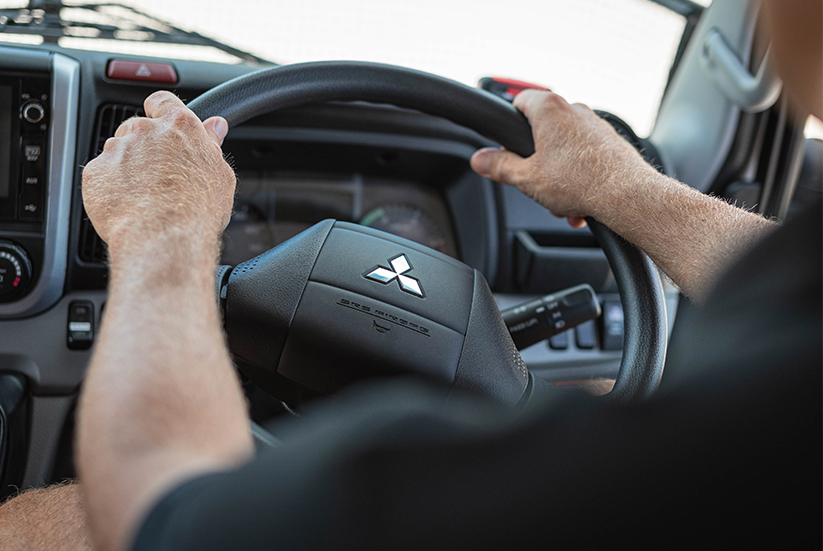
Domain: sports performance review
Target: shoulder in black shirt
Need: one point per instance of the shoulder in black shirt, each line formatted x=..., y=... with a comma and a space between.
x=728, y=453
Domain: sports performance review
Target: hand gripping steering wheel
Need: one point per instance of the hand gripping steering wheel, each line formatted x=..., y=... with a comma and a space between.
x=341, y=302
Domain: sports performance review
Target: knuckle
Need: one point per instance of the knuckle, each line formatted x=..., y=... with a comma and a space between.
x=159, y=97
x=110, y=145
x=553, y=101
x=88, y=170
x=159, y=94
x=227, y=174
x=123, y=128
x=184, y=119
x=218, y=148
x=582, y=108
x=522, y=98
x=528, y=98
x=231, y=181
x=140, y=125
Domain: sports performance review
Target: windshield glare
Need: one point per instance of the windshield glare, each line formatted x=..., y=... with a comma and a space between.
x=610, y=54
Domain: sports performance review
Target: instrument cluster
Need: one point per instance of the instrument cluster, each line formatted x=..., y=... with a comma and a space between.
x=272, y=207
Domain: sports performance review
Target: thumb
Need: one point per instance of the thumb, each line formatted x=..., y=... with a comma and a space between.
x=216, y=128
x=499, y=165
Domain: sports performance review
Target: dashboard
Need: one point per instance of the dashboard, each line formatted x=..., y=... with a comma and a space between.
x=271, y=208
x=381, y=166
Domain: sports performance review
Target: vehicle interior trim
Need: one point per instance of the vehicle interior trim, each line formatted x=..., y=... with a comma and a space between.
x=697, y=123
x=48, y=417
x=65, y=90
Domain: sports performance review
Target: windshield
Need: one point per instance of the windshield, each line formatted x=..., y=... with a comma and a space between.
x=611, y=54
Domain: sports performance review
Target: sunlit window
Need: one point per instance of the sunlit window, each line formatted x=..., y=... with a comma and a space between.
x=21, y=38
x=611, y=54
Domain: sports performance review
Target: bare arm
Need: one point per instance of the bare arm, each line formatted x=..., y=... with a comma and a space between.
x=161, y=401
x=582, y=167
x=47, y=519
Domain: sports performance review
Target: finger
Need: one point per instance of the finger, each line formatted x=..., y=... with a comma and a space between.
x=556, y=215
x=576, y=222
x=583, y=108
x=216, y=128
x=501, y=166
x=162, y=103
x=109, y=145
x=124, y=127
x=535, y=103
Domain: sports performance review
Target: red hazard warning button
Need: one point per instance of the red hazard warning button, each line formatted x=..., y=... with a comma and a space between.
x=144, y=71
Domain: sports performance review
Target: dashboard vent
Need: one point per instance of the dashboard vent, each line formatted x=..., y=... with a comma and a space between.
x=108, y=119
x=91, y=248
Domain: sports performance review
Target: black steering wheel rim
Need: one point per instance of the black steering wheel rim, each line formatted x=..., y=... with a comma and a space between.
x=638, y=281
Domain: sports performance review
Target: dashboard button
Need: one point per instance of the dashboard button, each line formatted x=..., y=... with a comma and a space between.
x=31, y=151
x=559, y=341
x=141, y=71
x=80, y=325
x=31, y=203
x=586, y=336
x=31, y=176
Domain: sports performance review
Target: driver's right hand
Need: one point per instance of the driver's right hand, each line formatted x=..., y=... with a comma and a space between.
x=576, y=155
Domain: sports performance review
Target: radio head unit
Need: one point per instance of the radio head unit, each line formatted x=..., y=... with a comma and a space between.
x=24, y=126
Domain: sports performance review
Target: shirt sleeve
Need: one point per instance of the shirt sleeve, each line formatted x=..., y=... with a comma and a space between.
x=728, y=457
x=327, y=485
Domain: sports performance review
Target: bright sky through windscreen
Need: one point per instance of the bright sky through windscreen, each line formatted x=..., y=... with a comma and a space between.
x=610, y=54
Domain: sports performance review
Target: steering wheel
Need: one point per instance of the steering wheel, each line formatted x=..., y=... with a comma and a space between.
x=340, y=302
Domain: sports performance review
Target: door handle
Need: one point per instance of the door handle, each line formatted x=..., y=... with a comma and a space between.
x=753, y=93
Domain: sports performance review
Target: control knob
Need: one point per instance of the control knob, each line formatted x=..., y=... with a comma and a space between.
x=33, y=112
x=15, y=271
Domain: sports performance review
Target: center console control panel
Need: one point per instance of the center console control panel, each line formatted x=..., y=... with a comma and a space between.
x=24, y=123
x=24, y=131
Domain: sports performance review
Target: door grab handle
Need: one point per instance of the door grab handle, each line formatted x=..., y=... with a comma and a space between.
x=721, y=64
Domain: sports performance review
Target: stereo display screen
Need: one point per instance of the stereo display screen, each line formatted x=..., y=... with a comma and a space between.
x=5, y=139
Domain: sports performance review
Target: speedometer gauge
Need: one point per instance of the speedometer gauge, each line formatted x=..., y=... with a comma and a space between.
x=411, y=223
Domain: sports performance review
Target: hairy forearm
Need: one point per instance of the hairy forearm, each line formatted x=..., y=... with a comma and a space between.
x=47, y=519
x=161, y=400
x=582, y=167
x=690, y=236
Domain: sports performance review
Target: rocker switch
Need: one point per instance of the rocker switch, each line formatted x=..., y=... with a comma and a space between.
x=81, y=325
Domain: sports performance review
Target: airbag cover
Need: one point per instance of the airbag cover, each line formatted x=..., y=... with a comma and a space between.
x=351, y=253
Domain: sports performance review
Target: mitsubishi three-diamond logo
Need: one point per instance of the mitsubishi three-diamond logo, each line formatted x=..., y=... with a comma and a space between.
x=399, y=266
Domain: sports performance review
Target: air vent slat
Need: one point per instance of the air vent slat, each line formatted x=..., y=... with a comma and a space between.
x=91, y=248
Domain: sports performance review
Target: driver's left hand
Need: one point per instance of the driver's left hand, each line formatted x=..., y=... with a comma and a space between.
x=160, y=173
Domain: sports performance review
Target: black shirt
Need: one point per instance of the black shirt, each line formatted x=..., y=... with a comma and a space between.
x=727, y=453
